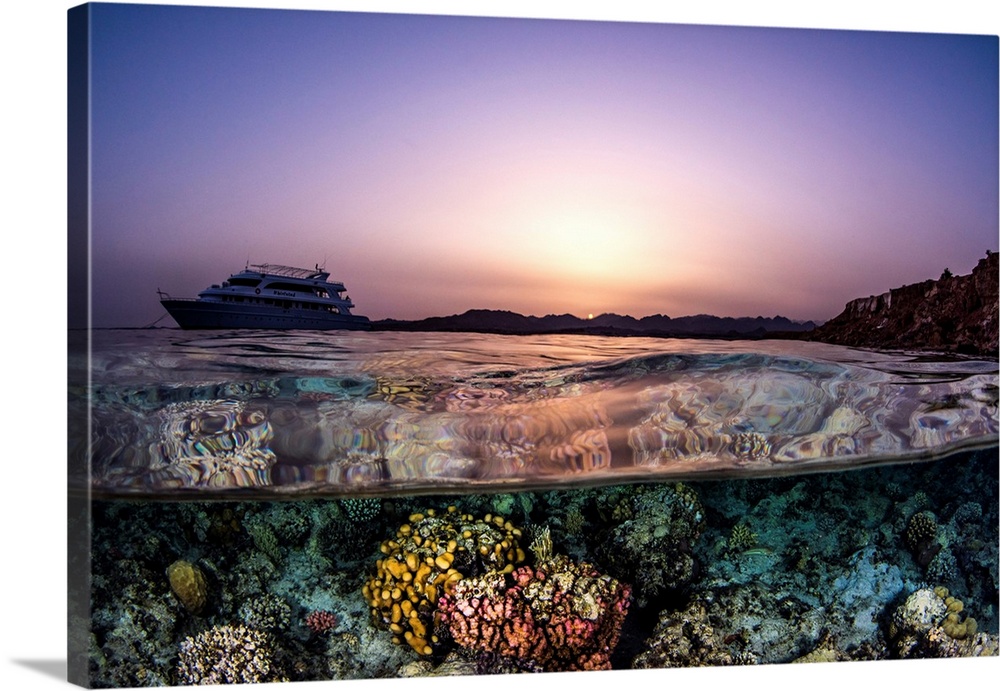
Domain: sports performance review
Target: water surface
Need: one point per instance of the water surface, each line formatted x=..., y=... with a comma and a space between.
x=265, y=414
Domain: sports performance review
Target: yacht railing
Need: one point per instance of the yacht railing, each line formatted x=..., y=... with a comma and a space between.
x=288, y=271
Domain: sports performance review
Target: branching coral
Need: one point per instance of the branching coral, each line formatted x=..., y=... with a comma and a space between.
x=266, y=541
x=321, y=621
x=266, y=612
x=541, y=545
x=742, y=537
x=227, y=655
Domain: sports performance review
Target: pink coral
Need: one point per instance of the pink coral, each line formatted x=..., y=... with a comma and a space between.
x=557, y=616
x=321, y=621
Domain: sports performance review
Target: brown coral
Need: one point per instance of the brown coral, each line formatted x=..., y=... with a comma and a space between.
x=921, y=537
x=653, y=549
x=685, y=639
x=188, y=584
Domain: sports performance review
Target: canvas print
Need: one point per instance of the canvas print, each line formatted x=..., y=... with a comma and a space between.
x=412, y=345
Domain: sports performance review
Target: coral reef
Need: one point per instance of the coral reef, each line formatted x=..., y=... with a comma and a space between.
x=653, y=548
x=574, y=521
x=361, y=509
x=265, y=540
x=831, y=576
x=943, y=567
x=862, y=592
x=826, y=651
x=227, y=655
x=921, y=537
x=687, y=639
x=930, y=624
x=968, y=563
x=289, y=522
x=449, y=668
x=541, y=545
x=558, y=615
x=426, y=559
x=266, y=612
x=134, y=626
x=224, y=526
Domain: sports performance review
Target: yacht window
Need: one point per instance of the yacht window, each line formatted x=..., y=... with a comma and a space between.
x=292, y=287
x=250, y=282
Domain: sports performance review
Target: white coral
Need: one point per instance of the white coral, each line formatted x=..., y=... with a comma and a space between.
x=226, y=655
x=921, y=611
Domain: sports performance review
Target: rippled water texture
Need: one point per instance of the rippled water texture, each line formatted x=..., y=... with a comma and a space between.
x=310, y=413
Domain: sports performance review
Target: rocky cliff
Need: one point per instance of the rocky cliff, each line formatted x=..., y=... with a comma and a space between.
x=952, y=314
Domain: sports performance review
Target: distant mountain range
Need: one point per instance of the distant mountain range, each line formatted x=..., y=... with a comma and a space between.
x=953, y=313
x=700, y=325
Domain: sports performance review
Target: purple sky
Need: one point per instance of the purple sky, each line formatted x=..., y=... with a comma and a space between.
x=438, y=164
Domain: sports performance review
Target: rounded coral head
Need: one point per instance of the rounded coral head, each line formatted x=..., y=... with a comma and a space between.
x=188, y=584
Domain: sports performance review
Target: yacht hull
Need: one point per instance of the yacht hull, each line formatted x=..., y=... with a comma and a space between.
x=200, y=314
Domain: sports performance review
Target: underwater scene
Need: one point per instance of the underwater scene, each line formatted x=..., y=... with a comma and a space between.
x=293, y=506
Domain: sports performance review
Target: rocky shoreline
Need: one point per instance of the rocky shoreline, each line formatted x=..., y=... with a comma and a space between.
x=956, y=314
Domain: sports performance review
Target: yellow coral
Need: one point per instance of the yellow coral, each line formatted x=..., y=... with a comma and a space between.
x=427, y=557
x=188, y=583
x=953, y=624
x=742, y=537
x=541, y=546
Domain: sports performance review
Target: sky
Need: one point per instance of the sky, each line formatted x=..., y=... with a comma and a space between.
x=436, y=164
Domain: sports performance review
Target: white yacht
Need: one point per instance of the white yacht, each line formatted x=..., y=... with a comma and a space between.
x=268, y=296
